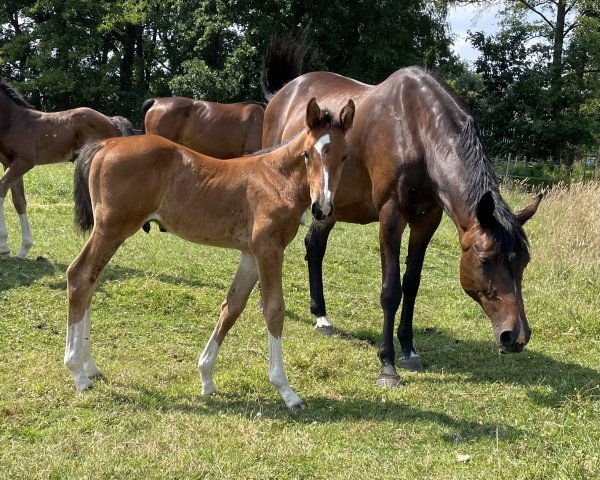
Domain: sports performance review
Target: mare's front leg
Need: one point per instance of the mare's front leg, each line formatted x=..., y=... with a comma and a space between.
x=420, y=236
x=18, y=198
x=269, y=258
x=391, y=226
x=13, y=173
x=244, y=280
x=316, y=244
x=82, y=278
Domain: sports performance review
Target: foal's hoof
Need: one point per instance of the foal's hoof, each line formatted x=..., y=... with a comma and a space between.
x=410, y=363
x=209, y=388
x=92, y=371
x=83, y=383
x=325, y=329
x=297, y=407
x=389, y=381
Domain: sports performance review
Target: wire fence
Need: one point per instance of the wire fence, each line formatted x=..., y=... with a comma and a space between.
x=546, y=174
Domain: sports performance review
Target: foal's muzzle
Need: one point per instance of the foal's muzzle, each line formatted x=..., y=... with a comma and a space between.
x=321, y=213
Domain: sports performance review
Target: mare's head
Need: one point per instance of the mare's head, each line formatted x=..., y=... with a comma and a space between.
x=495, y=254
x=325, y=150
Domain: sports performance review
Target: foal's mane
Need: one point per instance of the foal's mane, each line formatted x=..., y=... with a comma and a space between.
x=507, y=232
x=15, y=96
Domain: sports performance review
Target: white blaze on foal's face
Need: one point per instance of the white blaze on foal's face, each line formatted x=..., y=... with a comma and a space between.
x=323, y=141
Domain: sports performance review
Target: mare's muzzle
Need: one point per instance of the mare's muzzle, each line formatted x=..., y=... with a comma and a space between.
x=514, y=340
x=321, y=212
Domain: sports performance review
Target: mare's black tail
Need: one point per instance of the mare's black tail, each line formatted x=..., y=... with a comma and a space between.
x=84, y=214
x=284, y=60
x=145, y=107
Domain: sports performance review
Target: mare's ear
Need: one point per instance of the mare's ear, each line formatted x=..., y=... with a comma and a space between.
x=485, y=210
x=313, y=114
x=528, y=212
x=347, y=115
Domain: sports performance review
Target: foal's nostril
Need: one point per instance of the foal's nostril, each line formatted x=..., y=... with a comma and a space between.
x=316, y=211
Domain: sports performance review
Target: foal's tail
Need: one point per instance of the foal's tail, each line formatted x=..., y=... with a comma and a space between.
x=84, y=214
x=147, y=105
x=124, y=126
x=284, y=59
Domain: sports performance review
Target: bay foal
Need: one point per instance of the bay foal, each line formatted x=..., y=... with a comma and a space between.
x=252, y=204
x=29, y=137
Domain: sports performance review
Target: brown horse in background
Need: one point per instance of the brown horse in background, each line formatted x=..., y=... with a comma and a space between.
x=219, y=130
x=252, y=204
x=29, y=137
x=414, y=152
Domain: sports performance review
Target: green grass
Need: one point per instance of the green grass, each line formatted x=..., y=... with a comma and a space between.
x=532, y=415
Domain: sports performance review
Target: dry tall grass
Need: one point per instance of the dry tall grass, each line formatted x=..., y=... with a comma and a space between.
x=567, y=227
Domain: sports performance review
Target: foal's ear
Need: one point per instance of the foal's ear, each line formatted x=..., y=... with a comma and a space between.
x=528, y=212
x=485, y=209
x=313, y=114
x=347, y=115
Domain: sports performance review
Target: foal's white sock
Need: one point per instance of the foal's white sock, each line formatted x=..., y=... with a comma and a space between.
x=4, y=249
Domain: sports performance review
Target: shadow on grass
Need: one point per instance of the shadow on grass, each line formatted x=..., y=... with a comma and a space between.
x=320, y=410
x=18, y=273
x=549, y=382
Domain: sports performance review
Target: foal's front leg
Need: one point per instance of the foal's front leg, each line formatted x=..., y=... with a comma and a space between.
x=245, y=278
x=270, y=262
x=18, y=198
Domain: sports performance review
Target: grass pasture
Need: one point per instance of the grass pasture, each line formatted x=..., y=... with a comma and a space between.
x=471, y=414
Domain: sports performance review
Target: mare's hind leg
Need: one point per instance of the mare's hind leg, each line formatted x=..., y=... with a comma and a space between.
x=391, y=226
x=243, y=282
x=420, y=235
x=82, y=278
x=14, y=171
x=316, y=244
x=18, y=198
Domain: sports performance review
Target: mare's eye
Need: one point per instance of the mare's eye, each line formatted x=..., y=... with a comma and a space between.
x=344, y=158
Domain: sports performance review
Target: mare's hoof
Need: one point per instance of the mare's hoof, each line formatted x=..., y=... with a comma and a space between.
x=389, y=381
x=410, y=363
x=325, y=329
x=92, y=371
x=297, y=407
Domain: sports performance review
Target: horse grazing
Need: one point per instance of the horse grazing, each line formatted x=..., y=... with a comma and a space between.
x=414, y=153
x=29, y=137
x=216, y=129
x=252, y=204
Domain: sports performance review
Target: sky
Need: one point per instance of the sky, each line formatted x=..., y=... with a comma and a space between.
x=465, y=18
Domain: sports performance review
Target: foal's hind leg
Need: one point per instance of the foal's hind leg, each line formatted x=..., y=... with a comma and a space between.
x=18, y=198
x=82, y=278
x=241, y=287
x=420, y=236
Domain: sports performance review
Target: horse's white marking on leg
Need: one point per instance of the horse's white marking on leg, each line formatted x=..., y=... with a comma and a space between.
x=89, y=366
x=26, y=235
x=4, y=249
x=206, y=364
x=321, y=142
x=74, y=355
x=277, y=374
x=323, y=322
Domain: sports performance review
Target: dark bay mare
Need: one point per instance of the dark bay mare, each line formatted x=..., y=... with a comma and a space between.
x=29, y=137
x=252, y=204
x=221, y=130
x=414, y=153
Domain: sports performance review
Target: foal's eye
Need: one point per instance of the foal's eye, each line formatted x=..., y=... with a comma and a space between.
x=306, y=156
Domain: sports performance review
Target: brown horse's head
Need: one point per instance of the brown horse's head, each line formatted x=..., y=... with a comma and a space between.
x=325, y=151
x=495, y=254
